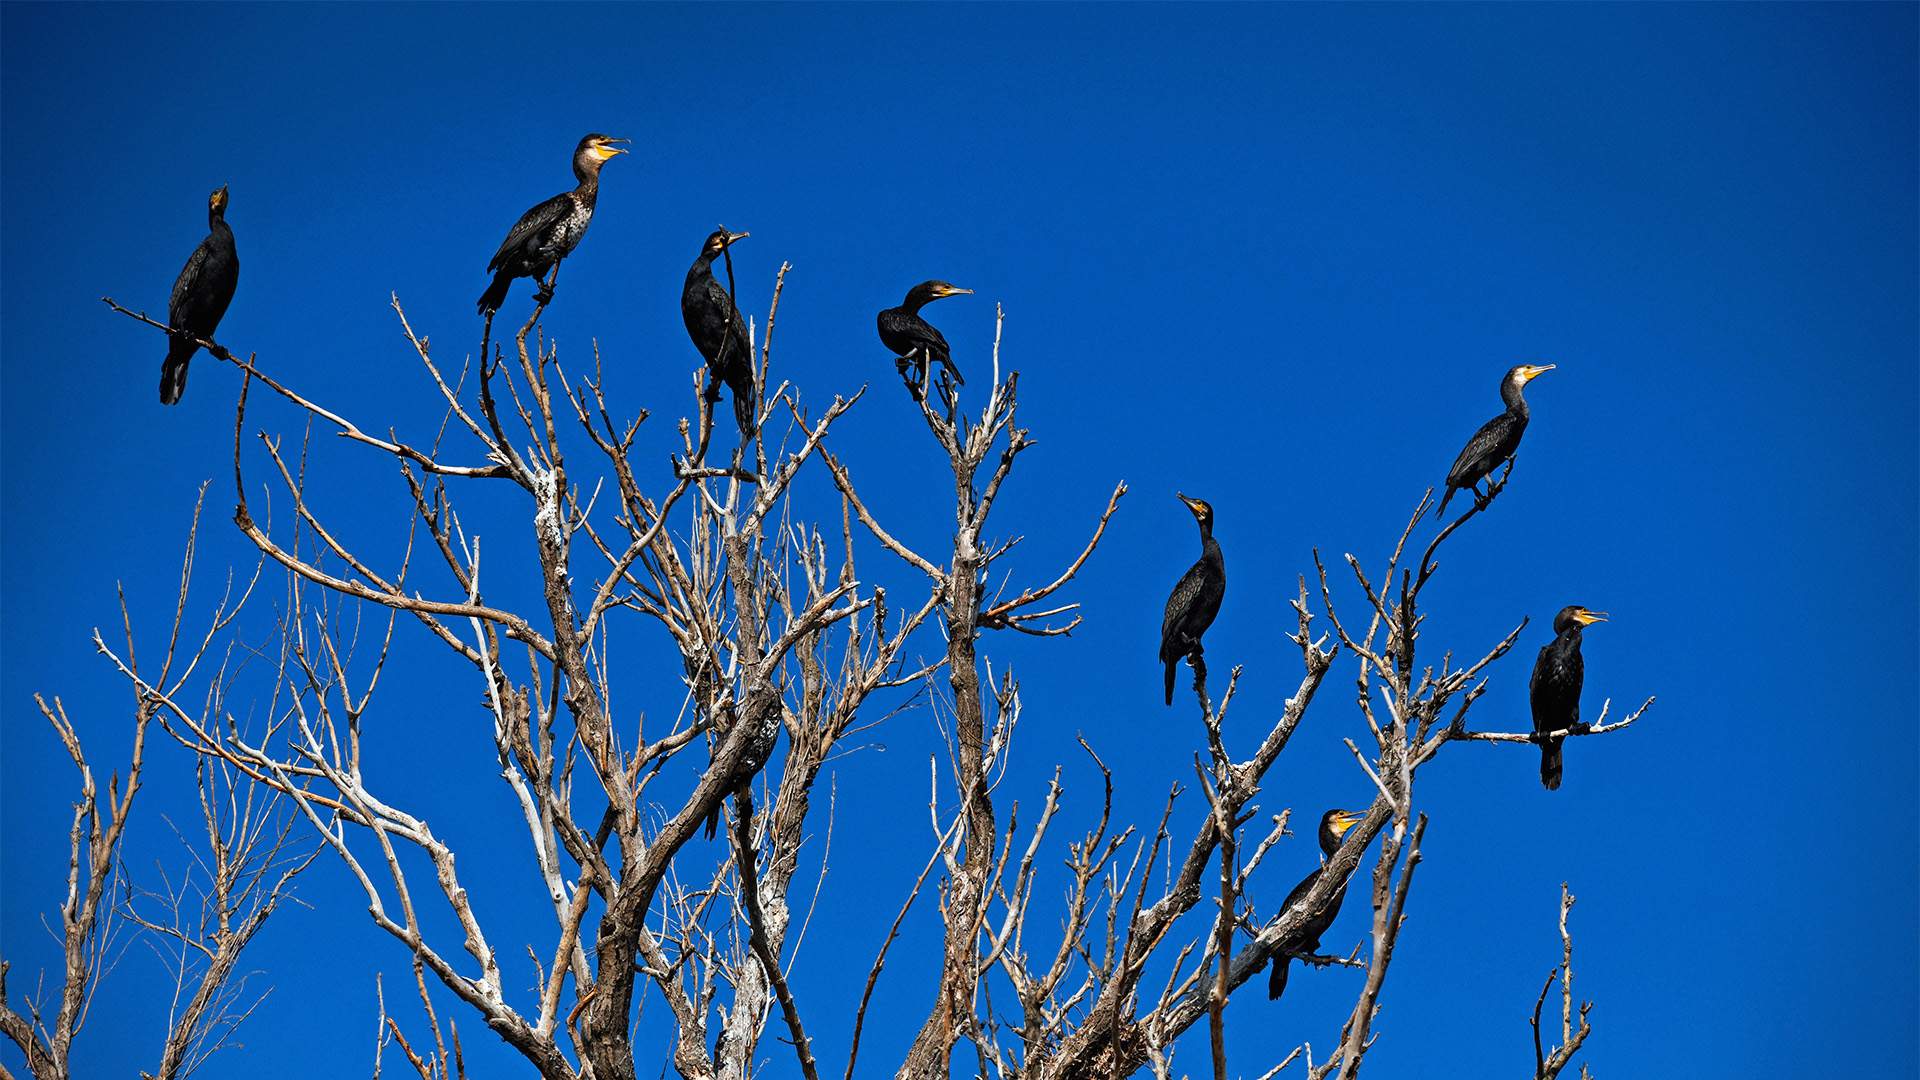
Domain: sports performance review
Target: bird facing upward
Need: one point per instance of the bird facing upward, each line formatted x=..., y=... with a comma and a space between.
x=1554, y=691
x=550, y=231
x=200, y=296
x=915, y=340
x=1498, y=438
x=1195, y=599
x=718, y=331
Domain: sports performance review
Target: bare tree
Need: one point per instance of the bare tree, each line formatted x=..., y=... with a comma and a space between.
x=203, y=916
x=778, y=628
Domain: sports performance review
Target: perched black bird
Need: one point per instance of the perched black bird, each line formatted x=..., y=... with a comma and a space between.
x=1555, y=688
x=1195, y=600
x=549, y=232
x=1333, y=826
x=1497, y=439
x=718, y=331
x=200, y=296
x=912, y=338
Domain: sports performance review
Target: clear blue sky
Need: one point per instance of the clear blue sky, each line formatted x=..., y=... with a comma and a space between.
x=1274, y=256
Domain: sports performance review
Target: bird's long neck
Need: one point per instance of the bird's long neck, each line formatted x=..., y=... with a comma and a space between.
x=217, y=220
x=1516, y=399
x=915, y=301
x=1209, y=547
x=1568, y=642
x=702, y=268
x=587, y=171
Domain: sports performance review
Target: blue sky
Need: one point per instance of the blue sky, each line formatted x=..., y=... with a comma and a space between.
x=1274, y=256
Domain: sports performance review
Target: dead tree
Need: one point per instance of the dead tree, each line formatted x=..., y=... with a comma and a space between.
x=777, y=629
x=241, y=864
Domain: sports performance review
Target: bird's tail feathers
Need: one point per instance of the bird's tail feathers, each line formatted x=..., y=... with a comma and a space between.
x=495, y=295
x=173, y=370
x=1550, y=764
x=1441, y=510
x=1173, y=670
x=1277, y=976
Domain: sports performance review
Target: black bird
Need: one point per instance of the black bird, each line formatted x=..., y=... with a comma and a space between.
x=549, y=232
x=914, y=339
x=1555, y=688
x=200, y=296
x=718, y=331
x=1333, y=827
x=1195, y=600
x=1497, y=439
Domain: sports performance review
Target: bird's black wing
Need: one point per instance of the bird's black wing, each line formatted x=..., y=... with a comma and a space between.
x=531, y=224
x=205, y=287
x=906, y=334
x=1488, y=447
x=1180, y=605
x=1554, y=690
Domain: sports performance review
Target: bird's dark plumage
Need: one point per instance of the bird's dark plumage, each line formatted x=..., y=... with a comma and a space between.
x=914, y=339
x=1497, y=439
x=719, y=332
x=1195, y=599
x=1333, y=827
x=200, y=296
x=1558, y=675
x=550, y=231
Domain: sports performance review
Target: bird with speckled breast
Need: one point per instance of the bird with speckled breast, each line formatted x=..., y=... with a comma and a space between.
x=550, y=231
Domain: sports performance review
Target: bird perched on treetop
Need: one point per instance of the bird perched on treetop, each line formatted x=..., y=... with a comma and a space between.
x=200, y=296
x=718, y=331
x=550, y=231
x=1497, y=439
x=1558, y=675
x=1333, y=828
x=1195, y=600
x=915, y=340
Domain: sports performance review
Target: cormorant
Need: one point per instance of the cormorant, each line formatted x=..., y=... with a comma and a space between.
x=200, y=296
x=718, y=331
x=1497, y=439
x=1333, y=826
x=550, y=231
x=1555, y=688
x=914, y=339
x=1195, y=600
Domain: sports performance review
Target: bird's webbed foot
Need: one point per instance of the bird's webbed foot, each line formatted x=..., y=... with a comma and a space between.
x=543, y=295
x=1579, y=727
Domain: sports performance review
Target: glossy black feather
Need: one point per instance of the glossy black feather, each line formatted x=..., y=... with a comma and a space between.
x=720, y=333
x=200, y=298
x=1192, y=606
x=1307, y=938
x=912, y=338
x=1495, y=441
x=1558, y=675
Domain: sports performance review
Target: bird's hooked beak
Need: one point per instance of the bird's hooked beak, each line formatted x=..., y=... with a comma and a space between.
x=607, y=148
x=733, y=238
x=1193, y=505
x=1587, y=618
x=219, y=199
x=1534, y=371
x=1346, y=821
x=952, y=290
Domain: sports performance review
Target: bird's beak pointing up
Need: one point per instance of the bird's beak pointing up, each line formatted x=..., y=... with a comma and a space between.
x=735, y=237
x=1535, y=371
